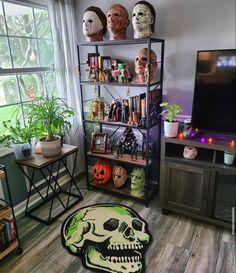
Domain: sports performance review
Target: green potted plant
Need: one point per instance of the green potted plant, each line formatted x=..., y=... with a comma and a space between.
x=171, y=125
x=18, y=137
x=52, y=120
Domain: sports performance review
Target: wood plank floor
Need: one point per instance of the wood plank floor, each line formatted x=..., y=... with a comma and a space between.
x=180, y=244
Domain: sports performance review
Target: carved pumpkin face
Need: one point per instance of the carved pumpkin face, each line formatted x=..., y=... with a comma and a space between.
x=119, y=175
x=101, y=172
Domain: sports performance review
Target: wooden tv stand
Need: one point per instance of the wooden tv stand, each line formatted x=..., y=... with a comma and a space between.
x=204, y=187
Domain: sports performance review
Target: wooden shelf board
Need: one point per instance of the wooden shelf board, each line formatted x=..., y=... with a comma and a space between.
x=8, y=250
x=125, y=159
x=125, y=190
x=4, y=211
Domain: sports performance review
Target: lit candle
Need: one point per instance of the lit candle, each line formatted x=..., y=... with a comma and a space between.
x=210, y=140
x=232, y=143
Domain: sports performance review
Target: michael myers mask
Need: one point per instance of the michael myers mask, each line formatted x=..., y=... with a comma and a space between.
x=137, y=182
x=108, y=237
x=143, y=20
x=94, y=24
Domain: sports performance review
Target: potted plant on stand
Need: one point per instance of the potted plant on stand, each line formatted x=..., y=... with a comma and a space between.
x=51, y=117
x=19, y=137
x=171, y=125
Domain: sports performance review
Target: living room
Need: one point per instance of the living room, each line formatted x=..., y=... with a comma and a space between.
x=181, y=242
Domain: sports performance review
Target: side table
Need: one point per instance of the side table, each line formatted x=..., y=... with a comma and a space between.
x=56, y=198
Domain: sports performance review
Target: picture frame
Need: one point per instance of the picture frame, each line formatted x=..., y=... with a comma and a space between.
x=99, y=143
x=106, y=62
x=93, y=60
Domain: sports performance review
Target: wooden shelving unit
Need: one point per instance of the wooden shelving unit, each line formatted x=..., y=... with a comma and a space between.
x=150, y=163
x=7, y=210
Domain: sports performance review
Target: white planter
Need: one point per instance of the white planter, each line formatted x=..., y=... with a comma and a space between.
x=229, y=158
x=22, y=151
x=171, y=128
x=51, y=148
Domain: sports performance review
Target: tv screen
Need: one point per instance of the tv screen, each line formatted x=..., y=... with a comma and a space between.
x=214, y=100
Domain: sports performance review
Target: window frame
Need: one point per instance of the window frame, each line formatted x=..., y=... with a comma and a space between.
x=25, y=70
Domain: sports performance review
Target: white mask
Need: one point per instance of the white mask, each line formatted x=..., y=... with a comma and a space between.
x=142, y=20
x=91, y=23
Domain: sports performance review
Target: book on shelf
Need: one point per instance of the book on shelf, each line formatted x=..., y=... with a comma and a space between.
x=10, y=220
x=3, y=240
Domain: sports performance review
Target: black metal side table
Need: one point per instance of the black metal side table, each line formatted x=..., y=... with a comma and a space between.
x=55, y=198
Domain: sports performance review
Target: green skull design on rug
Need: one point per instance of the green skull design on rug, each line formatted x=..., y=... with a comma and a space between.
x=108, y=238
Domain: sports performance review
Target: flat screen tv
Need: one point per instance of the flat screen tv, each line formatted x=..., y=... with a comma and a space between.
x=214, y=100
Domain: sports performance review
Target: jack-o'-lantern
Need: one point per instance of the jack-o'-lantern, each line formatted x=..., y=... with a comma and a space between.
x=101, y=172
x=119, y=175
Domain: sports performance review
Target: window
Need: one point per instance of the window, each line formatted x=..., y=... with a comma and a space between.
x=26, y=55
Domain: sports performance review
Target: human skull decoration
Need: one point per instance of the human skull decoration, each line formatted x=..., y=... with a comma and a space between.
x=109, y=238
x=138, y=182
x=119, y=175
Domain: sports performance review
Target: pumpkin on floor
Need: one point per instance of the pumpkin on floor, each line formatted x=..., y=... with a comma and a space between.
x=101, y=172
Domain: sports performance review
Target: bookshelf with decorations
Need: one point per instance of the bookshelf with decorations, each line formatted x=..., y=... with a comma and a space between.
x=123, y=134
x=9, y=239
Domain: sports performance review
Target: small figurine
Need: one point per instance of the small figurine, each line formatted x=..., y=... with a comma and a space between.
x=125, y=111
x=134, y=149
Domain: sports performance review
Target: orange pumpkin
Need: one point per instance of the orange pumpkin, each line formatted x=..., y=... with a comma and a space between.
x=101, y=172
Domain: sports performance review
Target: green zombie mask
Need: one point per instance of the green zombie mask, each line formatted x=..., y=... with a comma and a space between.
x=138, y=182
x=108, y=237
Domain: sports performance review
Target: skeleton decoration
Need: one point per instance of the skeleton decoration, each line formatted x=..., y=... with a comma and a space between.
x=138, y=182
x=143, y=19
x=119, y=175
x=109, y=238
x=117, y=22
x=94, y=24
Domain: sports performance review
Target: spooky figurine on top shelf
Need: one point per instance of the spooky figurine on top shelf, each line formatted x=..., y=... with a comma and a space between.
x=94, y=24
x=143, y=72
x=117, y=22
x=143, y=19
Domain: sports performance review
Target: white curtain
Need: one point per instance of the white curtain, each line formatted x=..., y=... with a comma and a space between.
x=64, y=32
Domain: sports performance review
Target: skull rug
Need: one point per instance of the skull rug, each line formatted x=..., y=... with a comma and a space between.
x=109, y=238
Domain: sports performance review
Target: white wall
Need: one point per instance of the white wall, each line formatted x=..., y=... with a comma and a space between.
x=186, y=26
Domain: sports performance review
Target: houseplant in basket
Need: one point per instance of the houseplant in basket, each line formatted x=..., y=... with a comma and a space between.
x=19, y=137
x=171, y=125
x=52, y=120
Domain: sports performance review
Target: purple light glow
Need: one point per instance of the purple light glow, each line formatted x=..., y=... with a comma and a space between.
x=203, y=140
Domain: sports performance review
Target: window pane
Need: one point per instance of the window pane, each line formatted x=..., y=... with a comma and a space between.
x=8, y=90
x=24, y=52
x=6, y=113
x=43, y=28
x=5, y=61
x=19, y=20
x=50, y=83
x=45, y=52
x=31, y=86
x=2, y=24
